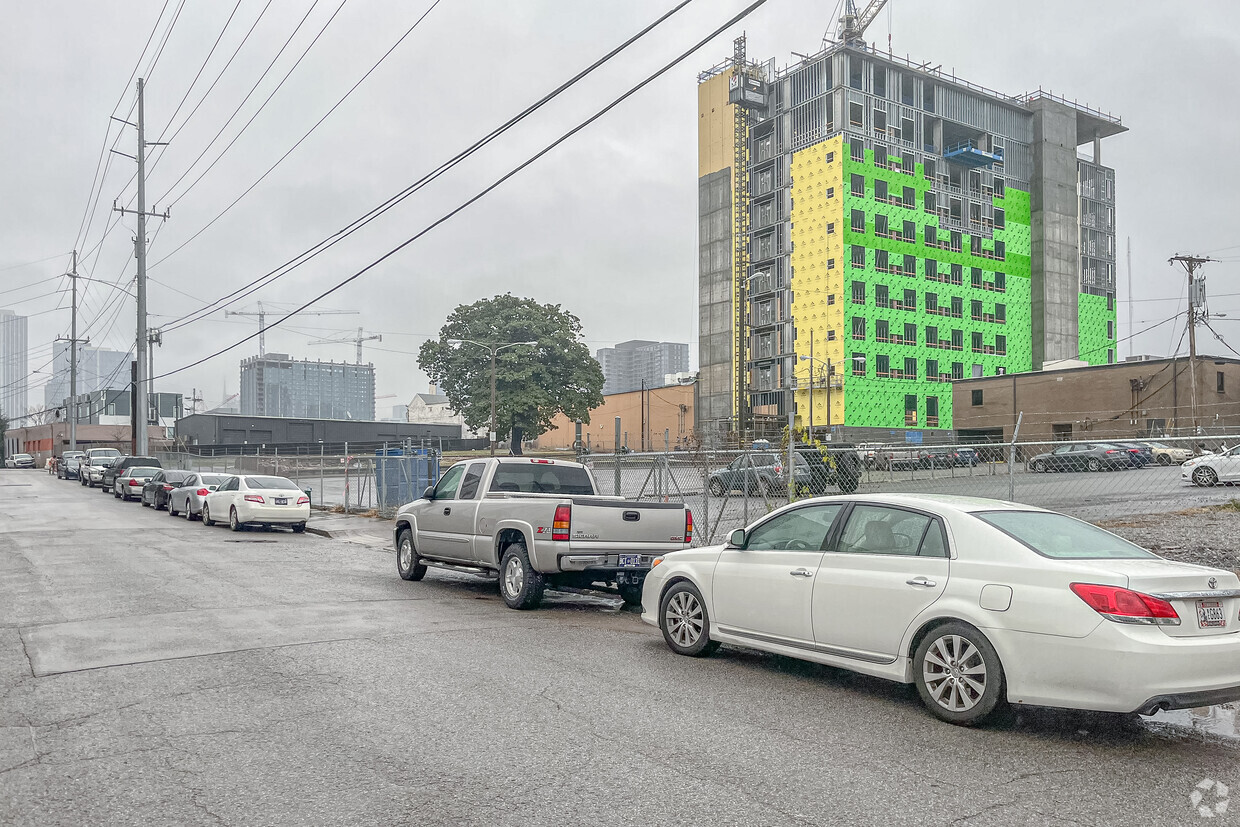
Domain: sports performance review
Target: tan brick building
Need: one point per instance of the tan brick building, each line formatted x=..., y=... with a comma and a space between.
x=667, y=410
x=1129, y=399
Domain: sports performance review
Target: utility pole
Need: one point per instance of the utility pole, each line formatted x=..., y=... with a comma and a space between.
x=140, y=378
x=1196, y=299
x=1132, y=342
x=73, y=359
x=156, y=337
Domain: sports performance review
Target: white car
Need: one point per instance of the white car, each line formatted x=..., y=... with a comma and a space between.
x=1212, y=469
x=263, y=500
x=978, y=602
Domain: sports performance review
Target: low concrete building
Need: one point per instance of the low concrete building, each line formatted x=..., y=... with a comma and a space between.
x=666, y=414
x=1144, y=398
x=232, y=431
x=52, y=439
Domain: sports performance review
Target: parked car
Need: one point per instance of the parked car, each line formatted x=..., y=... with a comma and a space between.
x=245, y=499
x=1212, y=469
x=1170, y=454
x=966, y=457
x=1082, y=456
x=937, y=457
x=115, y=468
x=760, y=473
x=839, y=467
x=20, y=461
x=539, y=523
x=70, y=462
x=1113, y=628
x=891, y=458
x=156, y=492
x=90, y=473
x=190, y=496
x=1142, y=453
x=129, y=482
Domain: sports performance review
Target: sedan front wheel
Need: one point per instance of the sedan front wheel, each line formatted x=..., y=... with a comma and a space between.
x=1205, y=477
x=958, y=674
x=684, y=621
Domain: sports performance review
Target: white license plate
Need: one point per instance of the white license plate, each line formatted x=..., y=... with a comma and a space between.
x=281, y=500
x=630, y=561
x=1210, y=614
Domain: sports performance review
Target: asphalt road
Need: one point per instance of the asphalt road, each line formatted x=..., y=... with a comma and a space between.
x=154, y=671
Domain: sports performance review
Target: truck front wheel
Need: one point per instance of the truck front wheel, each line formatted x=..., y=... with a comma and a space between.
x=407, y=564
x=519, y=585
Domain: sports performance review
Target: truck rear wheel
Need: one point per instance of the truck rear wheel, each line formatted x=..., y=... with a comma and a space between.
x=519, y=585
x=631, y=593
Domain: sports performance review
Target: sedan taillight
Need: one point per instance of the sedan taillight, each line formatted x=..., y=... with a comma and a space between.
x=202, y=492
x=135, y=482
x=254, y=498
x=303, y=500
x=1126, y=606
x=167, y=487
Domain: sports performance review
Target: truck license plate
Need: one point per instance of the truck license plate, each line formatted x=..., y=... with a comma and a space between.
x=1210, y=614
x=630, y=561
x=281, y=500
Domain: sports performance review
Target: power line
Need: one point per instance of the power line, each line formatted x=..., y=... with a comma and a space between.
x=496, y=184
x=306, y=255
x=150, y=69
x=201, y=69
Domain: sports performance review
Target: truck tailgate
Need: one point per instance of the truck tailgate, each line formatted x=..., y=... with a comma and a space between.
x=616, y=525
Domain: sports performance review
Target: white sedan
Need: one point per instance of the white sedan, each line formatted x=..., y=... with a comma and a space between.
x=978, y=602
x=258, y=499
x=1212, y=469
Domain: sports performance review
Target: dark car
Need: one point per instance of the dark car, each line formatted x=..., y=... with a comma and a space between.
x=1142, y=452
x=966, y=456
x=937, y=457
x=156, y=492
x=68, y=464
x=839, y=468
x=1083, y=456
x=758, y=473
x=118, y=466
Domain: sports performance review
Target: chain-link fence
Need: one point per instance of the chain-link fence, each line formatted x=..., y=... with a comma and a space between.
x=378, y=481
x=1092, y=480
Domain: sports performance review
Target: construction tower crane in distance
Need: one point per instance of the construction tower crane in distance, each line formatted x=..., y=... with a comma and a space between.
x=852, y=24
x=358, y=339
x=262, y=320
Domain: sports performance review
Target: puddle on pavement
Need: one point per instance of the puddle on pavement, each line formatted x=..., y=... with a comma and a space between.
x=1221, y=721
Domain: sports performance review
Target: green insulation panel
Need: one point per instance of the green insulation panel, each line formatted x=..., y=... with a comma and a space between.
x=908, y=401
x=1095, y=322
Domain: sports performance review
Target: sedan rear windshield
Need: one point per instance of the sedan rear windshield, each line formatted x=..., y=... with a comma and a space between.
x=212, y=479
x=1062, y=537
x=536, y=478
x=141, y=472
x=270, y=483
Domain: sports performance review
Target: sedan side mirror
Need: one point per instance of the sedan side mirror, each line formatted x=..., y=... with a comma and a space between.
x=737, y=539
x=429, y=493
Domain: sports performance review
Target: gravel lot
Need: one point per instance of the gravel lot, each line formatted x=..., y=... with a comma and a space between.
x=1207, y=536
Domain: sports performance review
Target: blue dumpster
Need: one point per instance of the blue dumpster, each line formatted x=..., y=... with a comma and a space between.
x=401, y=475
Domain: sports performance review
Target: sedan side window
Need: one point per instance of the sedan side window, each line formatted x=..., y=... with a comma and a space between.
x=802, y=529
x=933, y=544
x=873, y=529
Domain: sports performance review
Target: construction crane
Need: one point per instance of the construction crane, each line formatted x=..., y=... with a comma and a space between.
x=262, y=320
x=358, y=339
x=853, y=24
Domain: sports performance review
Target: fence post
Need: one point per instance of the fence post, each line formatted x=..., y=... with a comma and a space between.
x=346, y=478
x=382, y=498
x=616, y=456
x=1012, y=459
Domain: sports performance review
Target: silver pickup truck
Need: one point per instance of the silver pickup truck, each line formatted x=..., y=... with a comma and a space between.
x=539, y=523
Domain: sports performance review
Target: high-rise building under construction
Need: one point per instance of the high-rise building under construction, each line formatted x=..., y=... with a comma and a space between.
x=871, y=228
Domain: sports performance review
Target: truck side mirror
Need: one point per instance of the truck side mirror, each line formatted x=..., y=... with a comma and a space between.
x=429, y=493
x=737, y=539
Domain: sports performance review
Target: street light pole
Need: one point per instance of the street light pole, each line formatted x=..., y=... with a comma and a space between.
x=493, y=350
x=492, y=435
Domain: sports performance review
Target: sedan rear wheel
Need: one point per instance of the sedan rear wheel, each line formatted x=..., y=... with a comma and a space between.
x=684, y=621
x=1039, y=467
x=1205, y=477
x=206, y=516
x=233, y=522
x=1164, y=459
x=716, y=487
x=1093, y=464
x=958, y=674
x=172, y=512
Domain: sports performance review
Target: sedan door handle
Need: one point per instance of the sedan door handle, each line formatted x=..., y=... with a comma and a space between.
x=447, y=511
x=801, y=573
x=922, y=581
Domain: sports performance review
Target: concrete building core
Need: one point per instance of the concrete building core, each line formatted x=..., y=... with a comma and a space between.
x=892, y=228
x=276, y=385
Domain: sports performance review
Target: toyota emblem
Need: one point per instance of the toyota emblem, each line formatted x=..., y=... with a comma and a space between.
x=1214, y=582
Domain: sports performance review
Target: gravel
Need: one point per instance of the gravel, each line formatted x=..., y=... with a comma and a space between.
x=1206, y=536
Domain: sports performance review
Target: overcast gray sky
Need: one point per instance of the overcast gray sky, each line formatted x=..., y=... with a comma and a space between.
x=606, y=225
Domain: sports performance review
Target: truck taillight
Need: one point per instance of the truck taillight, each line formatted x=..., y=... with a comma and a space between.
x=688, y=526
x=563, y=520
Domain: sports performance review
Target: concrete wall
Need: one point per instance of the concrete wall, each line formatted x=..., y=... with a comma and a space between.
x=1055, y=250
x=1103, y=401
x=669, y=408
x=214, y=429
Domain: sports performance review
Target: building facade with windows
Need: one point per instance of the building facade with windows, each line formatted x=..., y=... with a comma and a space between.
x=630, y=364
x=276, y=385
x=14, y=371
x=98, y=368
x=898, y=229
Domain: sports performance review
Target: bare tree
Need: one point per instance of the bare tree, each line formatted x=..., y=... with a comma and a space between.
x=40, y=416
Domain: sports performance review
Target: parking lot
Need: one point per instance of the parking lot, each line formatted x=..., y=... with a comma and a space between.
x=156, y=671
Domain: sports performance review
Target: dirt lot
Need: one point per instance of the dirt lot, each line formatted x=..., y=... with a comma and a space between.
x=1209, y=536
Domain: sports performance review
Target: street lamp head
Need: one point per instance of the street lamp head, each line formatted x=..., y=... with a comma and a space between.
x=531, y=344
x=455, y=342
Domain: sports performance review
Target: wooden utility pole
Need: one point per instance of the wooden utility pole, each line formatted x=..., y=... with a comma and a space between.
x=1196, y=300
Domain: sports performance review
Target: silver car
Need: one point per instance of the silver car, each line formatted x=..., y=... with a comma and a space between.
x=128, y=483
x=192, y=493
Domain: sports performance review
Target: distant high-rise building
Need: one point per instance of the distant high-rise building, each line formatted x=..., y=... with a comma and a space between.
x=13, y=368
x=98, y=368
x=276, y=385
x=627, y=365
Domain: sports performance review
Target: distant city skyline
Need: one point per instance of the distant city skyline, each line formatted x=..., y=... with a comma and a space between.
x=14, y=370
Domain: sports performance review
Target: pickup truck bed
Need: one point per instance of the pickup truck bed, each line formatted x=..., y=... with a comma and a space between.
x=538, y=523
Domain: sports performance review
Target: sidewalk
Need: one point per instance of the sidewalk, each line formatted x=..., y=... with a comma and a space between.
x=368, y=531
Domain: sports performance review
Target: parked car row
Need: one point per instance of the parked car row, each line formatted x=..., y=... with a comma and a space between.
x=813, y=473
x=240, y=500
x=1107, y=456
